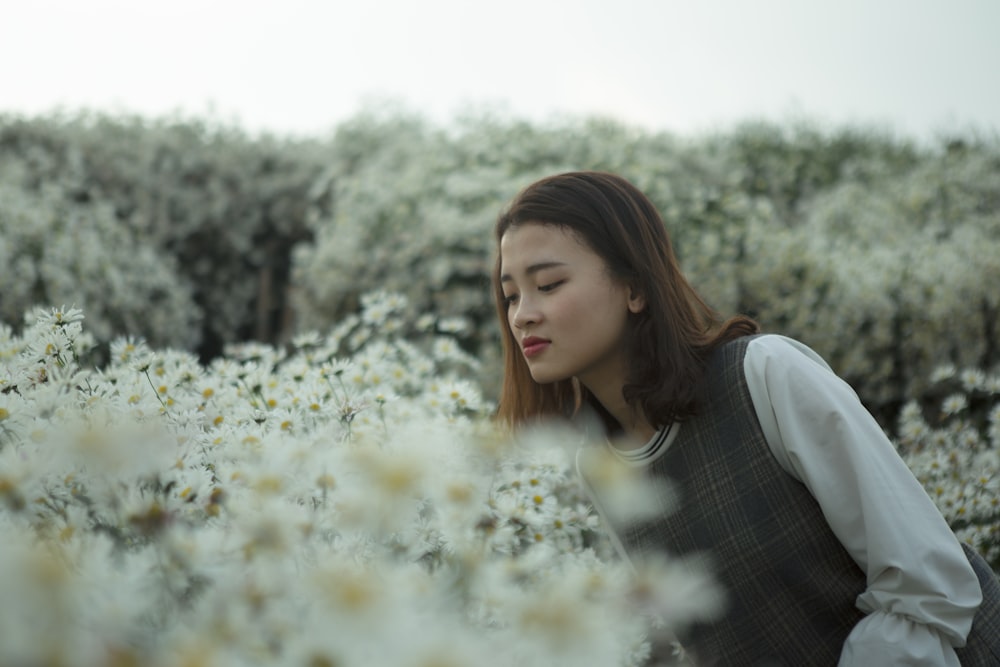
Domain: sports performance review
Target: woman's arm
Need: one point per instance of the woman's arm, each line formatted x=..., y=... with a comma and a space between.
x=922, y=593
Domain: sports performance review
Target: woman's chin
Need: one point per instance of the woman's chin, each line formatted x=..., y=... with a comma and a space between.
x=542, y=377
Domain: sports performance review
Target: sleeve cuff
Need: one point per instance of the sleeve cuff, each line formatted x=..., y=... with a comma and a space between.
x=882, y=639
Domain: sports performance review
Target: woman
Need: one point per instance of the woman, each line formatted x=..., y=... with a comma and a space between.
x=828, y=547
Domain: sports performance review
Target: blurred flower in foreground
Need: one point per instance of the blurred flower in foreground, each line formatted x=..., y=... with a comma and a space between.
x=302, y=505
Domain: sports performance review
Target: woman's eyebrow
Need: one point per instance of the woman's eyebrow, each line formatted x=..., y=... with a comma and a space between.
x=534, y=268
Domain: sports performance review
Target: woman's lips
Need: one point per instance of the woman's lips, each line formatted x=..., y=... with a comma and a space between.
x=534, y=346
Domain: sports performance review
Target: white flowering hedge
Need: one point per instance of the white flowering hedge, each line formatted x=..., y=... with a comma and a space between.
x=881, y=254
x=218, y=208
x=86, y=255
x=341, y=501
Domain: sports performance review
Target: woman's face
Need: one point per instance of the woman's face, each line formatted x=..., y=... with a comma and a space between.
x=563, y=306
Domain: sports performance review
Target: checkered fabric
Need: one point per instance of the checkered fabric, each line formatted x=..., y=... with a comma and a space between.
x=791, y=585
x=982, y=647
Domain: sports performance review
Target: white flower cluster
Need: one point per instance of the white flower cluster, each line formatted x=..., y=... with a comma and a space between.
x=953, y=447
x=886, y=275
x=344, y=501
x=55, y=252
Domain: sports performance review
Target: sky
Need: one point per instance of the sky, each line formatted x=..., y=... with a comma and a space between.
x=920, y=68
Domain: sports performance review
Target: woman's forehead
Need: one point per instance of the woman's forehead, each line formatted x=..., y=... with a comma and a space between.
x=521, y=239
x=532, y=247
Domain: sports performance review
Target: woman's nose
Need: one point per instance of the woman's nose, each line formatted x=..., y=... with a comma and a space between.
x=525, y=314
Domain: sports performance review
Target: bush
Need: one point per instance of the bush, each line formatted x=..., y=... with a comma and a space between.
x=224, y=208
x=888, y=276
x=83, y=255
x=879, y=254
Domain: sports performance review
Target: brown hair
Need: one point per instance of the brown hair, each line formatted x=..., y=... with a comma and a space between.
x=669, y=341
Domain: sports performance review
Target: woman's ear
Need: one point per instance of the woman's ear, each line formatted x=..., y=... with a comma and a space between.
x=636, y=301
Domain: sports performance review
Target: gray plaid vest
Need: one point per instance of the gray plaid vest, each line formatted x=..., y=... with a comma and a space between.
x=791, y=585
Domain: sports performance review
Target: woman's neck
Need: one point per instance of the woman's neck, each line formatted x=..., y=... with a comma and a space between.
x=636, y=430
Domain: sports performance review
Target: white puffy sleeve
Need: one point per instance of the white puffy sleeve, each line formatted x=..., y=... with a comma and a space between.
x=922, y=593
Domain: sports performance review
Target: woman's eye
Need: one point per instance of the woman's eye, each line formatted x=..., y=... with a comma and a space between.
x=509, y=299
x=550, y=286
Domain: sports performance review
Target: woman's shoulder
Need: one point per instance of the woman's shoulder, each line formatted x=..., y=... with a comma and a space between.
x=776, y=349
x=770, y=350
x=773, y=359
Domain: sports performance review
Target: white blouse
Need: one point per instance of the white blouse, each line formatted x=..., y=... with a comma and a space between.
x=922, y=593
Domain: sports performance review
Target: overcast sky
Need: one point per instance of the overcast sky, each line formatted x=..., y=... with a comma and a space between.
x=919, y=67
